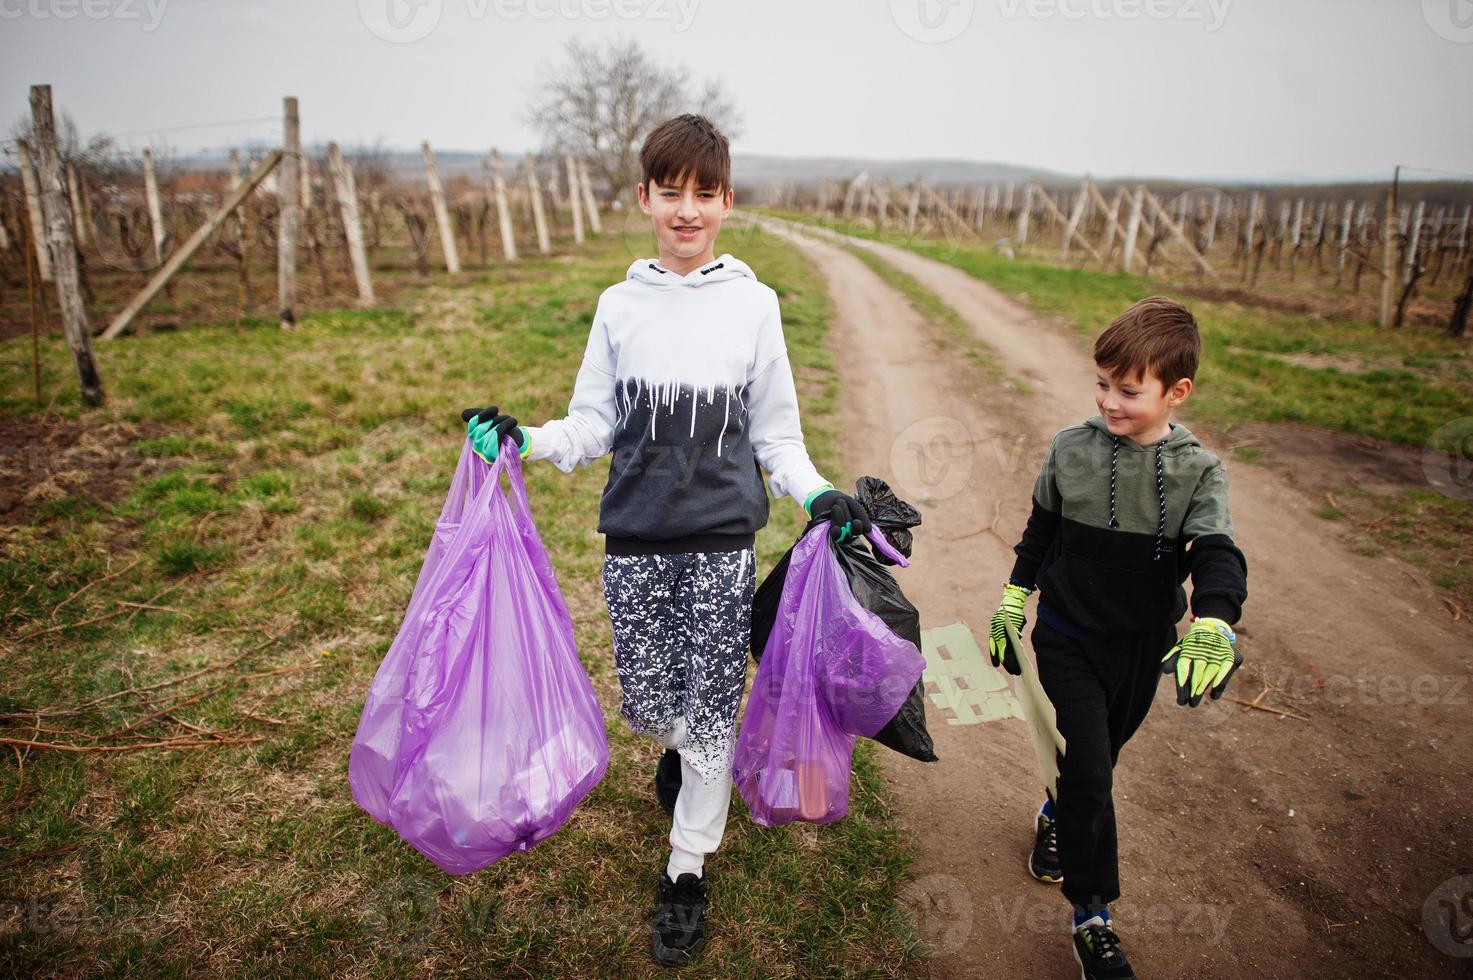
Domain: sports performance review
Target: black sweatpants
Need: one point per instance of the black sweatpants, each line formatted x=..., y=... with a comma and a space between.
x=1101, y=690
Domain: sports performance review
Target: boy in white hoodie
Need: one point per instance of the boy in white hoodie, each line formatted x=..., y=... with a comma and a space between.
x=686, y=380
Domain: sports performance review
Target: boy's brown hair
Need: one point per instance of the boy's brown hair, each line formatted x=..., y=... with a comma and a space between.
x=1156, y=336
x=684, y=145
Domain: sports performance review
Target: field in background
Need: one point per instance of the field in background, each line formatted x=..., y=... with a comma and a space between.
x=242, y=522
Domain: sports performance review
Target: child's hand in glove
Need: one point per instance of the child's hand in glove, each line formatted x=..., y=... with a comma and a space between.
x=1204, y=658
x=486, y=428
x=846, y=515
x=1010, y=612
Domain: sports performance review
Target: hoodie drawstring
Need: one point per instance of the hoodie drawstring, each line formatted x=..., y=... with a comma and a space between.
x=1160, y=491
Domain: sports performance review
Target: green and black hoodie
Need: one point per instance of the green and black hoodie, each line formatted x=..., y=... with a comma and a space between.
x=1117, y=527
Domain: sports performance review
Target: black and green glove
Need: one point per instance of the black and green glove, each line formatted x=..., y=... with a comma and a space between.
x=486, y=427
x=1204, y=659
x=1009, y=613
x=846, y=515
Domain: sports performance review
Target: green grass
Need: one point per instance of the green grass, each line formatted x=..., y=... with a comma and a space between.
x=1406, y=384
x=277, y=526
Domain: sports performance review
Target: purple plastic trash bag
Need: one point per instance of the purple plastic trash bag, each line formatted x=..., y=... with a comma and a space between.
x=481, y=731
x=832, y=670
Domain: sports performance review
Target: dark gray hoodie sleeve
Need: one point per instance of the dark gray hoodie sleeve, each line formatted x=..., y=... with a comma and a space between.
x=1043, y=524
x=1218, y=569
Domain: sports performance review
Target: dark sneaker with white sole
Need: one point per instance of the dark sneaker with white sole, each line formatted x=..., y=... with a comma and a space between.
x=667, y=780
x=680, y=919
x=1043, y=863
x=1097, y=949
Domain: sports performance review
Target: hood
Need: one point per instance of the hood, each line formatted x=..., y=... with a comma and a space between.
x=1180, y=437
x=719, y=269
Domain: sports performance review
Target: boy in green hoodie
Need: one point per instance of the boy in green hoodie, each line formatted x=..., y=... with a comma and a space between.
x=1126, y=506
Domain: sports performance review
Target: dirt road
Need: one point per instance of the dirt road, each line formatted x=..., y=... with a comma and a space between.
x=1252, y=844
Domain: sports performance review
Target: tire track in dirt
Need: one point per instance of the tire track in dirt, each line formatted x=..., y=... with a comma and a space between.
x=1251, y=844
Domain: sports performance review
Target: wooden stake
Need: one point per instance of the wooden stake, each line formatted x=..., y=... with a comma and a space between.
x=63, y=247
x=1071, y=228
x=590, y=203
x=442, y=213
x=74, y=197
x=915, y=205
x=1024, y=213
x=33, y=208
x=192, y=245
x=1413, y=242
x=155, y=206
x=503, y=214
x=1132, y=228
x=1388, y=258
x=575, y=199
x=345, y=188
x=288, y=185
x=539, y=217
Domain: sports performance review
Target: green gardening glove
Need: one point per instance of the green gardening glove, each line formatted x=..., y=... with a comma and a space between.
x=1204, y=658
x=1010, y=612
x=486, y=427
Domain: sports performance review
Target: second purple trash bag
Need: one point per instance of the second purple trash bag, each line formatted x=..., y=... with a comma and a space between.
x=481, y=731
x=832, y=670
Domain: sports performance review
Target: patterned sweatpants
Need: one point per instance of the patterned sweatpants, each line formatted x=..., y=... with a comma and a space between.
x=681, y=626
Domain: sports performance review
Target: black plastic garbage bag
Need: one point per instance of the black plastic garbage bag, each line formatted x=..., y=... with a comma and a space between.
x=876, y=590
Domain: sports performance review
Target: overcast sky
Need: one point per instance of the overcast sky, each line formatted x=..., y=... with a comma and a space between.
x=1189, y=88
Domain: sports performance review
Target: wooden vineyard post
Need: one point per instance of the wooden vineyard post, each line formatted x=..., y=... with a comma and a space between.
x=575, y=199
x=58, y=235
x=1248, y=229
x=1132, y=228
x=1414, y=240
x=74, y=198
x=1024, y=213
x=1388, y=257
x=442, y=214
x=539, y=216
x=503, y=214
x=914, y=208
x=1076, y=213
x=590, y=203
x=183, y=253
x=1212, y=221
x=345, y=189
x=1345, y=219
x=288, y=186
x=33, y=209
x=155, y=207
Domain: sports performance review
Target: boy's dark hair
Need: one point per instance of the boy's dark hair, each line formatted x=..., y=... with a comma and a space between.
x=677, y=147
x=1156, y=336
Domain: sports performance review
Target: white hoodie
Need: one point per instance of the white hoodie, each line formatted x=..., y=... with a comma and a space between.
x=686, y=379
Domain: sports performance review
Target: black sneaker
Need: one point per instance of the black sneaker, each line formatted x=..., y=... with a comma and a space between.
x=680, y=919
x=1097, y=949
x=667, y=780
x=1043, y=863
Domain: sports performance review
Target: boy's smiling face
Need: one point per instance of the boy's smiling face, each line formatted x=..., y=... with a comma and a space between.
x=686, y=219
x=1136, y=407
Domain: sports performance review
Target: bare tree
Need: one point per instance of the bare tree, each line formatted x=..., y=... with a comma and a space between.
x=599, y=103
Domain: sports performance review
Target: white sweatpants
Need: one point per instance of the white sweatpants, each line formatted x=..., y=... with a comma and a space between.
x=700, y=812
